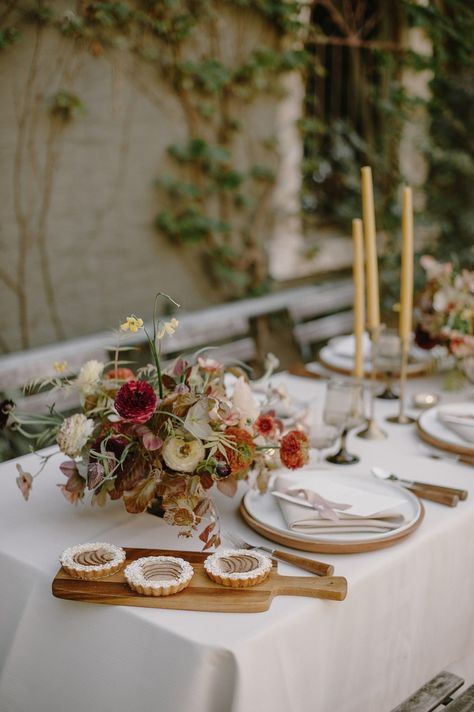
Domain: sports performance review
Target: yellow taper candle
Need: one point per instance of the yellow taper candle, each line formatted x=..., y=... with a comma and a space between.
x=406, y=286
x=359, y=306
x=368, y=215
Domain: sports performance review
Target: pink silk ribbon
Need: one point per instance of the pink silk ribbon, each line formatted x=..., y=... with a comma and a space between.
x=324, y=506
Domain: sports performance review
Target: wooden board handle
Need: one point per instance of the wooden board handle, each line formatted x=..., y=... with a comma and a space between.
x=316, y=567
x=451, y=500
x=462, y=494
x=333, y=588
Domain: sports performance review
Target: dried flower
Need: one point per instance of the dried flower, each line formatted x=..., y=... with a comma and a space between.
x=74, y=434
x=24, y=482
x=244, y=400
x=210, y=365
x=6, y=407
x=167, y=327
x=174, y=434
x=183, y=455
x=88, y=379
x=242, y=453
x=268, y=426
x=136, y=401
x=294, y=449
x=132, y=323
x=120, y=374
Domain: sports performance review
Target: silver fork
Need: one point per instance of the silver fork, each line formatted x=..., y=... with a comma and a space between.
x=315, y=567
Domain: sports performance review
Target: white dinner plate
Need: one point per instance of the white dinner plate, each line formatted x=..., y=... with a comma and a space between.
x=432, y=429
x=340, y=359
x=264, y=508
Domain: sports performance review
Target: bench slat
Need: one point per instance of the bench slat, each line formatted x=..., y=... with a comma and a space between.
x=463, y=703
x=432, y=694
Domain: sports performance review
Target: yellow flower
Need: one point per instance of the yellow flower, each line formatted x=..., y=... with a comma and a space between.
x=132, y=324
x=60, y=366
x=167, y=327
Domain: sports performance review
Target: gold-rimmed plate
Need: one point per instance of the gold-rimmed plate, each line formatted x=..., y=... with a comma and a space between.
x=262, y=513
x=433, y=431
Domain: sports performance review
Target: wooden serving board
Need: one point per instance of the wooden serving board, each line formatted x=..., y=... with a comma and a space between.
x=202, y=594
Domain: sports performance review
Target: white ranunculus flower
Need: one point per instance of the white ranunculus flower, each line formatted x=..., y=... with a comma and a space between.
x=182, y=455
x=74, y=434
x=89, y=377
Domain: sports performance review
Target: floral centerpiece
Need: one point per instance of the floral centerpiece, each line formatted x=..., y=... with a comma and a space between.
x=445, y=309
x=160, y=438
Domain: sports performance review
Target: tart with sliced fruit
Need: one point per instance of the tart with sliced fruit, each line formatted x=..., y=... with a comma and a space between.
x=158, y=575
x=93, y=560
x=238, y=568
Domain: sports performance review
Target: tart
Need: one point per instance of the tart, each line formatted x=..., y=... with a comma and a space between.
x=158, y=575
x=238, y=568
x=93, y=560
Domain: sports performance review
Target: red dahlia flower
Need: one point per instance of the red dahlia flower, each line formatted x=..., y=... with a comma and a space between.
x=136, y=401
x=294, y=449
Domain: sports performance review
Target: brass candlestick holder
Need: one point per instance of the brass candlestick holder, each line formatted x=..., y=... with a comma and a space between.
x=402, y=418
x=373, y=431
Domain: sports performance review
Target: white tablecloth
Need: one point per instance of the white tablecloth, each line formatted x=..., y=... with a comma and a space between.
x=408, y=615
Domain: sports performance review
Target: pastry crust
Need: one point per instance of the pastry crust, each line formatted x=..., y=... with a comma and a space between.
x=93, y=560
x=158, y=575
x=238, y=568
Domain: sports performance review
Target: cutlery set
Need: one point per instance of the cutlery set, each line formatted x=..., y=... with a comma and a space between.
x=449, y=496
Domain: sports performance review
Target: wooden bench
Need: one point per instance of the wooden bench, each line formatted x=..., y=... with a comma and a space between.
x=437, y=695
x=314, y=311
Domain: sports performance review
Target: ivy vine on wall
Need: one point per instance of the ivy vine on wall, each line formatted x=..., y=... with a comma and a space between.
x=211, y=195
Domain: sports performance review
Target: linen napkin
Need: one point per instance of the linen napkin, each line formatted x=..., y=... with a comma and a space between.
x=459, y=421
x=334, y=508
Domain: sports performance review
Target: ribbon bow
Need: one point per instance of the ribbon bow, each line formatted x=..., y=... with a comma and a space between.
x=324, y=506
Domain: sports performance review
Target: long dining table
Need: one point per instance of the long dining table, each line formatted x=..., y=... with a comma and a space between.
x=408, y=614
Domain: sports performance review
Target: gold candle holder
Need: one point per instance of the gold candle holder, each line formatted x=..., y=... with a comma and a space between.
x=373, y=431
x=402, y=418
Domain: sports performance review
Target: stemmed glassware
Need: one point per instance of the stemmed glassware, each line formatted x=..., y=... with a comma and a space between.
x=321, y=437
x=387, y=360
x=343, y=410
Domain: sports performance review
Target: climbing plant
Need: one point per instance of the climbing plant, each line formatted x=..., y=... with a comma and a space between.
x=210, y=195
x=352, y=56
x=358, y=106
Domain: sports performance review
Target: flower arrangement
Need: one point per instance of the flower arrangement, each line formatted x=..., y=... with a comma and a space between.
x=444, y=312
x=160, y=438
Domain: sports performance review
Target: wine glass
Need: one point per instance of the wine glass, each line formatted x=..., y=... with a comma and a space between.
x=387, y=360
x=343, y=410
x=321, y=437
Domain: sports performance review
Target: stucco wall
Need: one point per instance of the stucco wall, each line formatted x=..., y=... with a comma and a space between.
x=78, y=250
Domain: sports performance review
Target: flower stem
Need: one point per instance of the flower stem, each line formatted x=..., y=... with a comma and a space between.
x=152, y=342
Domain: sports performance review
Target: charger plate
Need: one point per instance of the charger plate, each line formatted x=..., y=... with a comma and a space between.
x=262, y=513
x=433, y=431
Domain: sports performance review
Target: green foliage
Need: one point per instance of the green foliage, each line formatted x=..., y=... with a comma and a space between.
x=209, y=76
x=39, y=13
x=66, y=106
x=9, y=36
x=335, y=149
x=208, y=183
x=189, y=224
